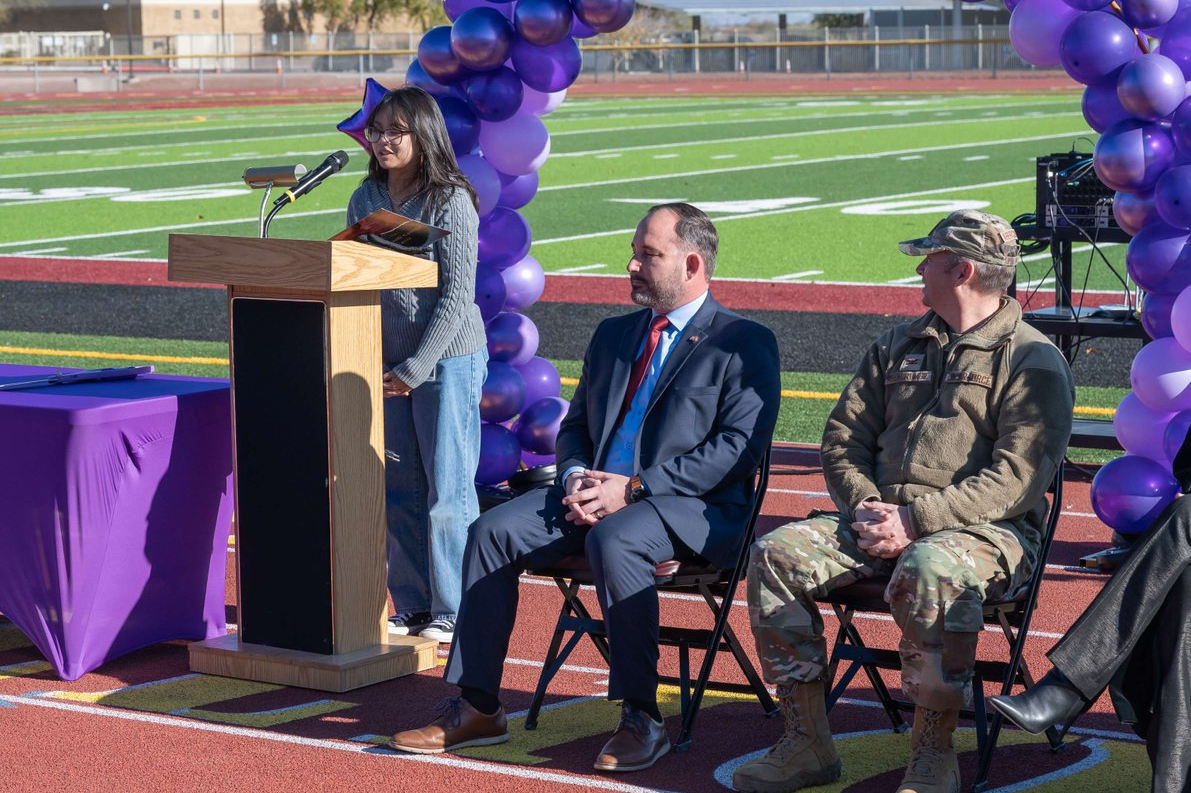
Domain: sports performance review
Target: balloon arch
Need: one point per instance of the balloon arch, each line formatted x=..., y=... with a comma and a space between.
x=495, y=71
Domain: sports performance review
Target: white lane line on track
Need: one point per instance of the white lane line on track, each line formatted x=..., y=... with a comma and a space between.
x=581, y=269
x=792, y=276
x=452, y=761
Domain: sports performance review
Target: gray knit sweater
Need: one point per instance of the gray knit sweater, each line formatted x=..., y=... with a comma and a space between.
x=419, y=327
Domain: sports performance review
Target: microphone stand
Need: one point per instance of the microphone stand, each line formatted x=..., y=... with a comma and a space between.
x=265, y=220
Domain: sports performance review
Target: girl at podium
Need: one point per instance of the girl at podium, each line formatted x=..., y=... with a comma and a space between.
x=435, y=359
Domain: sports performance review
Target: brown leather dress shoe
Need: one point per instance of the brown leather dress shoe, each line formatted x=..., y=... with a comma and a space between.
x=636, y=745
x=458, y=725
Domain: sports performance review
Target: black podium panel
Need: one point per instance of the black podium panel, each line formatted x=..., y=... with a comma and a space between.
x=283, y=536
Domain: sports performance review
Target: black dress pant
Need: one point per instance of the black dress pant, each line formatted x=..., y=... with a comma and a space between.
x=531, y=532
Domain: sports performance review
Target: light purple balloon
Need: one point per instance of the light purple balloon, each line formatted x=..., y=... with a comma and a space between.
x=517, y=146
x=1152, y=256
x=1172, y=196
x=500, y=454
x=1129, y=156
x=1161, y=375
x=537, y=427
x=1139, y=429
x=524, y=282
x=481, y=38
x=1176, y=43
x=484, y=179
x=1132, y=211
x=505, y=238
x=517, y=191
x=1180, y=128
x=512, y=338
x=1151, y=87
x=1180, y=318
x=543, y=22
x=490, y=291
x=540, y=103
x=1155, y=314
x=1148, y=14
x=1176, y=434
x=1037, y=26
x=1101, y=107
x=1130, y=492
x=495, y=95
x=1095, y=45
x=604, y=16
x=1087, y=5
x=503, y=393
x=463, y=128
x=547, y=69
x=541, y=379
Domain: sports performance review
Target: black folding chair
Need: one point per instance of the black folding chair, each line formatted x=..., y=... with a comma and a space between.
x=699, y=577
x=1012, y=614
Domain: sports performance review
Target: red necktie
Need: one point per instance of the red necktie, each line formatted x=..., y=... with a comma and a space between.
x=641, y=365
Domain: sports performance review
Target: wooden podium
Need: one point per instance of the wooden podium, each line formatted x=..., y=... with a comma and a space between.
x=304, y=331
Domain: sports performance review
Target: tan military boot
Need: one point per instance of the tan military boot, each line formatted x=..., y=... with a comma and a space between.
x=933, y=766
x=805, y=754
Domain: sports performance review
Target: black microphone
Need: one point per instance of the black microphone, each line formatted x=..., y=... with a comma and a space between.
x=314, y=178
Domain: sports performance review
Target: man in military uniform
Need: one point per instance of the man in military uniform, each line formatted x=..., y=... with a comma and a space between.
x=937, y=455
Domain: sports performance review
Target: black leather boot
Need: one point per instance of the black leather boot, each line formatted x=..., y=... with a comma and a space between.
x=1051, y=702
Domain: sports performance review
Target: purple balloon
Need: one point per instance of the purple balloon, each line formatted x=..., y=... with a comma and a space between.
x=495, y=95
x=604, y=16
x=547, y=69
x=455, y=8
x=1037, y=26
x=1176, y=433
x=484, y=180
x=1130, y=492
x=1151, y=87
x=1172, y=196
x=1148, y=14
x=517, y=146
x=1161, y=375
x=1101, y=107
x=438, y=59
x=1180, y=318
x=490, y=292
x=1095, y=45
x=1087, y=5
x=580, y=30
x=1155, y=314
x=500, y=454
x=524, y=282
x=416, y=75
x=353, y=126
x=517, y=191
x=541, y=379
x=1011, y=4
x=1180, y=128
x=512, y=338
x=504, y=238
x=543, y=22
x=481, y=37
x=1130, y=155
x=1176, y=44
x=1132, y=211
x=537, y=428
x=1152, y=256
x=532, y=460
x=1140, y=429
x=540, y=103
x=463, y=127
x=503, y=393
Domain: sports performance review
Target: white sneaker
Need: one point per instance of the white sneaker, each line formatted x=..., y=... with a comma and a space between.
x=440, y=629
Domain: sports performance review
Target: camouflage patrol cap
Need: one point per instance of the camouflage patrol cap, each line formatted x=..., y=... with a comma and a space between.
x=971, y=234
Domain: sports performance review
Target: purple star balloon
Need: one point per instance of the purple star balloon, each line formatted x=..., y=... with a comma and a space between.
x=354, y=126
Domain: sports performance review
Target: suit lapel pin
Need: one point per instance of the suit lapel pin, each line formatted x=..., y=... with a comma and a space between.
x=693, y=339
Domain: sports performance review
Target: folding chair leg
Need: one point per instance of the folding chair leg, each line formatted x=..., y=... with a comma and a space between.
x=750, y=672
x=558, y=653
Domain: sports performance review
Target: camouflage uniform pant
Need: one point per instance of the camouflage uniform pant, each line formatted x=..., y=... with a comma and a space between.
x=936, y=590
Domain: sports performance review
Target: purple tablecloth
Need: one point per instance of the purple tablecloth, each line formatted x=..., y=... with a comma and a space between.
x=115, y=508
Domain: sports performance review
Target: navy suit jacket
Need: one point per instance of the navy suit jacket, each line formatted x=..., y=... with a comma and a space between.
x=708, y=423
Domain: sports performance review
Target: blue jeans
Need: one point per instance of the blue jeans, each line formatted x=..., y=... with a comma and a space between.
x=432, y=449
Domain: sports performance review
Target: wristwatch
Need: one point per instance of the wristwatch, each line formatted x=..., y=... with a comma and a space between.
x=634, y=490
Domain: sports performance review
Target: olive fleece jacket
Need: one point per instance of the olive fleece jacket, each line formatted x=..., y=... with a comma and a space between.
x=964, y=429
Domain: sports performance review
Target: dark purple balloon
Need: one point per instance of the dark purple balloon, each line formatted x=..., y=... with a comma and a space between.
x=438, y=59
x=537, y=428
x=484, y=180
x=512, y=338
x=1172, y=196
x=1101, y=108
x=1133, y=210
x=1128, y=493
x=490, y=292
x=547, y=69
x=1180, y=129
x=1148, y=14
x=503, y=393
x=604, y=16
x=541, y=379
x=1132, y=155
x=543, y=22
x=416, y=75
x=463, y=127
x=1152, y=255
x=517, y=191
x=481, y=37
x=580, y=30
x=532, y=460
x=1175, y=433
x=1011, y=4
x=1151, y=87
x=455, y=8
x=504, y=238
x=1155, y=314
x=1095, y=45
x=500, y=454
x=494, y=95
x=524, y=282
x=353, y=127
x=1176, y=43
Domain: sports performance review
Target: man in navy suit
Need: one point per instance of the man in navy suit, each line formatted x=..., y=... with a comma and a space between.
x=674, y=411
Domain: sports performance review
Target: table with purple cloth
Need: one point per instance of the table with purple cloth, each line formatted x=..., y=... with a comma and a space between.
x=115, y=509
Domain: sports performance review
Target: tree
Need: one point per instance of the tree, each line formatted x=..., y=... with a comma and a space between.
x=838, y=20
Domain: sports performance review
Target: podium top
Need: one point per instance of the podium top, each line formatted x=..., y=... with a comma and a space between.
x=295, y=264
